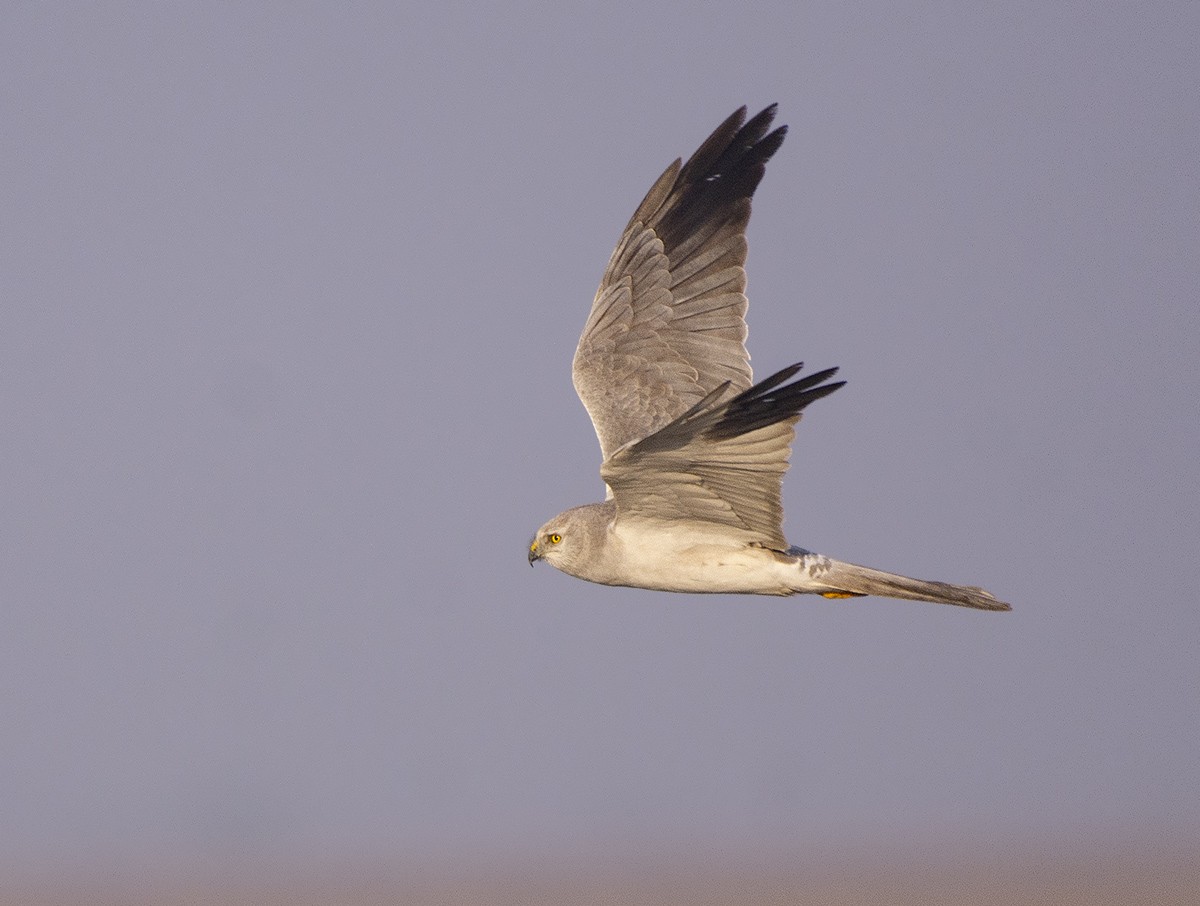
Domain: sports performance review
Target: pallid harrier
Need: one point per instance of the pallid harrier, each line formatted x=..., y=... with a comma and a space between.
x=694, y=454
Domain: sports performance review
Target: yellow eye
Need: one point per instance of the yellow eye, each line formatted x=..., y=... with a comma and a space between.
x=555, y=538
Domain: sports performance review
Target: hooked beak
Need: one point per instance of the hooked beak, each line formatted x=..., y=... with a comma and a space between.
x=533, y=552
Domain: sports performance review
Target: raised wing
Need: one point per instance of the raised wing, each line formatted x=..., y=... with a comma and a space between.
x=719, y=462
x=668, y=324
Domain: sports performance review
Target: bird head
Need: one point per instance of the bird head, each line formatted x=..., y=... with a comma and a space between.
x=548, y=543
x=570, y=541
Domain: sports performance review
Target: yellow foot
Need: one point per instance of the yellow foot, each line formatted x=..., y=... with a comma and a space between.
x=841, y=594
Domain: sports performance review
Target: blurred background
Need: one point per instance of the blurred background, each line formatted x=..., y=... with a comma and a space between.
x=289, y=295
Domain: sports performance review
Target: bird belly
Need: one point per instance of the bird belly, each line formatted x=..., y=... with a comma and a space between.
x=657, y=563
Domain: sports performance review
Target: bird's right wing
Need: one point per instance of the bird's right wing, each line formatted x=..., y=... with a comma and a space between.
x=668, y=326
x=721, y=462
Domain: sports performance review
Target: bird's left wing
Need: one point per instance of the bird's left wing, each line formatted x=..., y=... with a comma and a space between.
x=721, y=462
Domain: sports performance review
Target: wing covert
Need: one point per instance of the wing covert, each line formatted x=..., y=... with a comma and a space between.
x=722, y=461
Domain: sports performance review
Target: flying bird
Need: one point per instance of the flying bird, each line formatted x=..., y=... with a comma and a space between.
x=694, y=451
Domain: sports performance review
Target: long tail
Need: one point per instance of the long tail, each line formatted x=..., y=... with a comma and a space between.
x=849, y=580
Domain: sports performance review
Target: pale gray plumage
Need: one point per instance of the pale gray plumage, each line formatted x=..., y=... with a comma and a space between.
x=668, y=325
x=694, y=452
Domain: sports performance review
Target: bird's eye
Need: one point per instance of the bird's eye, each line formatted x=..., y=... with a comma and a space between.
x=555, y=538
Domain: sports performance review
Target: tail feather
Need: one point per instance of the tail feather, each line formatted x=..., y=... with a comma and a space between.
x=851, y=579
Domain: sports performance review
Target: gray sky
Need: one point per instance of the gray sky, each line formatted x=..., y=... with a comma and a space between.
x=289, y=299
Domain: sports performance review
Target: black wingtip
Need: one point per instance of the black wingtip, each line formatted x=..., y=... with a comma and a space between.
x=773, y=400
x=716, y=183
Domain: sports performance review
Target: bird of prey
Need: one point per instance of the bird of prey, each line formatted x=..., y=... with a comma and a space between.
x=694, y=451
